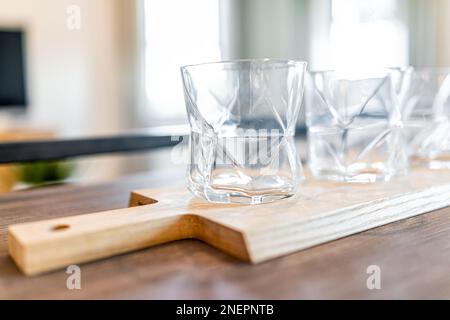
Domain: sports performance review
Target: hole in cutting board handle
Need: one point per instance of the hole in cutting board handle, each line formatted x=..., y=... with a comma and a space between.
x=60, y=227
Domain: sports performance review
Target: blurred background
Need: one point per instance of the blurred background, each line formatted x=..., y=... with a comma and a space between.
x=83, y=68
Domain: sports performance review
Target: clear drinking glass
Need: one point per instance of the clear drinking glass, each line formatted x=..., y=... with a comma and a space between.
x=354, y=127
x=243, y=115
x=425, y=110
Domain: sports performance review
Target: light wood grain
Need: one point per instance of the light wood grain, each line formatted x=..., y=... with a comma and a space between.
x=322, y=212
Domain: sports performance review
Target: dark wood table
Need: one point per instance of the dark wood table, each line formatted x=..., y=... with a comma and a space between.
x=414, y=257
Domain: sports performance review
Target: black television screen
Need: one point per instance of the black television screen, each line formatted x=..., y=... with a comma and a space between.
x=12, y=69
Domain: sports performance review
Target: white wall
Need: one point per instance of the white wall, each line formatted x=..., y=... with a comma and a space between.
x=443, y=34
x=266, y=28
x=430, y=33
x=80, y=82
x=73, y=76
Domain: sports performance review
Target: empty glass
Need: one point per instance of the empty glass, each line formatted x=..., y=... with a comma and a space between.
x=354, y=127
x=426, y=114
x=243, y=115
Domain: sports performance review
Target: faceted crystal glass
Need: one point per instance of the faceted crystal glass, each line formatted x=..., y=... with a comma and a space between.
x=243, y=116
x=354, y=127
x=425, y=107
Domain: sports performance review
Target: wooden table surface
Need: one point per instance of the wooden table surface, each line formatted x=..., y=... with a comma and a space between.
x=413, y=255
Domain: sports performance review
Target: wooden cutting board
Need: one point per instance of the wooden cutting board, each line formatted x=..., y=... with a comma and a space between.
x=322, y=211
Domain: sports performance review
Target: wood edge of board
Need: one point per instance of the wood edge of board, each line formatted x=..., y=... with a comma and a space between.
x=34, y=257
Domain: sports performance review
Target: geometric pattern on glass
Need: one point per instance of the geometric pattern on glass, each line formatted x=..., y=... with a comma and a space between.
x=426, y=113
x=243, y=116
x=354, y=127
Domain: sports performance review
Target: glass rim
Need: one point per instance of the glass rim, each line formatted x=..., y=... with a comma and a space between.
x=354, y=71
x=373, y=71
x=365, y=74
x=283, y=62
x=368, y=70
x=431, y=70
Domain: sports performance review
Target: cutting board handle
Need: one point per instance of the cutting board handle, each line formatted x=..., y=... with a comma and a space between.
x=45, y=245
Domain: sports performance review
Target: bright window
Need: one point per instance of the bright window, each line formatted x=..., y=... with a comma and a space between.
x=177, y=32
x=368, y=33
